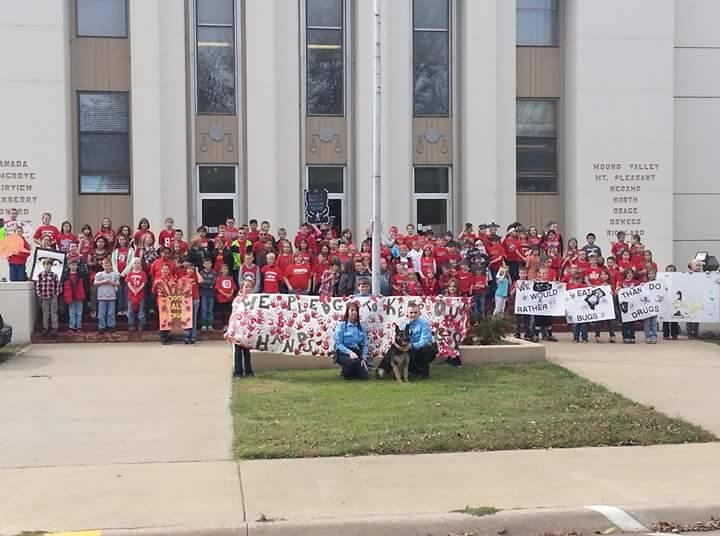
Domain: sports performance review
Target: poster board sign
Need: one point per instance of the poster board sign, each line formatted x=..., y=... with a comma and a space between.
x=317, y=206
x=540, y=298
x=295, y=325
x=589, y=304
x=57, y=258
x=175, y=306
x=691, y=297
x=641, y=302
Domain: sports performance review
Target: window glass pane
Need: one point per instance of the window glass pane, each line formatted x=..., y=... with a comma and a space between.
x=537, y=118
x=104, y=184
x=102, y=18
x=535, y=155
x=433, y=213
x=217, y=180
x=330, y=178
x=537, y=4
x=325, y=37
x=537, y=26
x=325, y=13
x=217, y=211
x=107, y=153
x=215, y=12
x=431, y=14
x=104, y=112
x=336, y=220
x=432, y=74
x=325, y=77
x=216, y=71
x=431, y=180
x=534, y=185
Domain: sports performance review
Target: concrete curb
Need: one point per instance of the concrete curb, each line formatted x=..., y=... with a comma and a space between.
x=532, y=522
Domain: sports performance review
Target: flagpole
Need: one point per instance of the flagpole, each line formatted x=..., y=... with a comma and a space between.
x=377, y=149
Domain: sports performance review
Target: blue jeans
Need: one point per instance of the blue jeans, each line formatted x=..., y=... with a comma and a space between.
x=106, y=314
x=628, y=331
x=207, y=310
x=17, y=272
x=122, y=296
x=479, y=305
x=650, y=325
x=580, y=332
x=75, y=312
x=139, y=316
x=192, y=332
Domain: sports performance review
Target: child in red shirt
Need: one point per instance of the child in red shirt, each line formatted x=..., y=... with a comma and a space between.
x=429, y=284
x=271, y=276
x=66, y=237
x=479, y=289
x=107, y=232
x=164, y=260
x=413, y=286
x=46, y=229
x=464, y=279
x=225, y=288
x=167, y=235
x=628, y=280
x=191, y=275
x=298, y=275
x=164, y=285
x=321, y=266
x=593, y=274
x=580, y=330
x=136, y=281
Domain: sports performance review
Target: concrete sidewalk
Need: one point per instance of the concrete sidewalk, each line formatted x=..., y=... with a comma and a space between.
x=139, y=437
x=678, y=378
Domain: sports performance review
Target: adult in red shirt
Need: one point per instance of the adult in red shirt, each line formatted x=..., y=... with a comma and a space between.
x=143, y=228
x=272, y=276
x=167, y=235
x=46, y=229
x=496, y=253
x=164, y=260
x=298, y=275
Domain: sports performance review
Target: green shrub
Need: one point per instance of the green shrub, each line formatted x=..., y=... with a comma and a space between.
x=488, y=331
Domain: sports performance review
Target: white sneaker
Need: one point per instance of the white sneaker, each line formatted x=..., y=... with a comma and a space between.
x=204, y=328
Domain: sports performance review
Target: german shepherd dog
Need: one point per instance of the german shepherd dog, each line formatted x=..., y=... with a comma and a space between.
x=397, y=358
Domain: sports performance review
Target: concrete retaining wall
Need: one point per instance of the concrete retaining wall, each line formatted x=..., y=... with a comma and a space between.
x=18, y=307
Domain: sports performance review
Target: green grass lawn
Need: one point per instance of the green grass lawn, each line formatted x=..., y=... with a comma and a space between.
x=315, y=413
x=6, y=352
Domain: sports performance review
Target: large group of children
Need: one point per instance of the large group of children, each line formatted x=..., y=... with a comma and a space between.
x=119, y=271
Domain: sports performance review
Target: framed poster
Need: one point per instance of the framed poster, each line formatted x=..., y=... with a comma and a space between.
x=57, y=258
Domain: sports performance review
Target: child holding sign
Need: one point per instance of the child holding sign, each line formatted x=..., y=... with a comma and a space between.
x=580, y=329
x=628, y=328
x=650, y=324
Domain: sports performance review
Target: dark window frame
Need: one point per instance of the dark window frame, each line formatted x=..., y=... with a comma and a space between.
x=84, y=36
x=554, y=176
x=448, y=32
x=80, y=173
x=343, y=50
x=556, y=35
x=233, y=46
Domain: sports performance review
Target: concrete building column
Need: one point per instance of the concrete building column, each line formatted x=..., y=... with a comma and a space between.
x=619, y=121
x=486, y=111
x=158, y=104
x=36, y=138
x=272, y=92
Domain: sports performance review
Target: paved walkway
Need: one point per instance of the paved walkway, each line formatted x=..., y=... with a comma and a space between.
x=678, y=378
x=117, y=435
x=139, y=436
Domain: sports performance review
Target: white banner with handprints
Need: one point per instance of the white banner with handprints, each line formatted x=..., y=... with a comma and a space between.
x=589, y=304
x=540, y=298
x=290, y=324
x=641, y=302
x=691, y=297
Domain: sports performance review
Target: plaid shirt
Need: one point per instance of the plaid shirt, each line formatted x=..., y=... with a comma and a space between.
x=48, y=285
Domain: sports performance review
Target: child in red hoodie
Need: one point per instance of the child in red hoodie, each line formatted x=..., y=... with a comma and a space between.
x=74, y=296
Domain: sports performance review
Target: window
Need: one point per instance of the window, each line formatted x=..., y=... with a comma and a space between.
x=432, y=198
x=104, y=120
x=217, y=195
x=537, y=23
x=333, y=180
x=431, y=57
x=215, y=57
x=325, y=65
x=537, y=146
x=102, y=18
